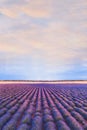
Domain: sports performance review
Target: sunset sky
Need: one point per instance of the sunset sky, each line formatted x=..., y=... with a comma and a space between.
x=43, y=39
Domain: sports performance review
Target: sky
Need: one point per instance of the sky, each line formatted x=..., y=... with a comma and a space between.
x=43, y=39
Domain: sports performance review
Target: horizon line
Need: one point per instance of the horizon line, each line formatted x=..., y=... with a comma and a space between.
x=43, y=81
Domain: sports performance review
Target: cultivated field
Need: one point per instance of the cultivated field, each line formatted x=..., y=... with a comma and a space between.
x=43, y=106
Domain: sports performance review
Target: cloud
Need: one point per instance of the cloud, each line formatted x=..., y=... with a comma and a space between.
x=47, y=36
x=12, y=13
x=55, y=50
x=39, y=9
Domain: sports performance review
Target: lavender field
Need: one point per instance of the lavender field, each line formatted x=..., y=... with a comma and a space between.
x=43, y=107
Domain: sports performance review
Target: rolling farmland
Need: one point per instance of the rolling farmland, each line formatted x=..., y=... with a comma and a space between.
x=43, y=106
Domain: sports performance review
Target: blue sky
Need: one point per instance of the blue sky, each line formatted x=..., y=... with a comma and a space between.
x=43, y=39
